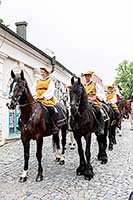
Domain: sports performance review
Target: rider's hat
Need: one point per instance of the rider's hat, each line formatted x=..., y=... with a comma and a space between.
x=88, y=73
x=46, y=69
x=110, y=86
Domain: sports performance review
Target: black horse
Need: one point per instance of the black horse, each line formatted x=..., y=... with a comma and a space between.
x=124, y=108
x=110, y=126
x=131, y=196
x=84, y=123
x=33, y=124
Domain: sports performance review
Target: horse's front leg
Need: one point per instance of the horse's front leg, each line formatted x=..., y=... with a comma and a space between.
x=102, y=143
x=64, y=133
x=110, y=139
x=39, y=158
x=26, y=145
x=82, y=166
x=88, y=174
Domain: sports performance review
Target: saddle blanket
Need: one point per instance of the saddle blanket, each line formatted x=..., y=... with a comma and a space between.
x=61, y=114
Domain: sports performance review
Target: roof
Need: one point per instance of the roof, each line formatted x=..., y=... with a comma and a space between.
x=32, y=46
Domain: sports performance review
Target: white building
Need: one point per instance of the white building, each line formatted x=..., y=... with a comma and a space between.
x=17, y=53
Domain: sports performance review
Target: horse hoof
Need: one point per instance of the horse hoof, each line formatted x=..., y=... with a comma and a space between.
x=57, y=159
x=99, y=157
x=62, y=162
x=110, y=148
x=104, y=161
x=87, y=178
x=80, y=173
x=22, y=179
x=114, y=142
x=39, y=178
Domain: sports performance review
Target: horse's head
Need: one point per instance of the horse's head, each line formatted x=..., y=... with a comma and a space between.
x=17, y=88
x=76, y=93
x=124, y=107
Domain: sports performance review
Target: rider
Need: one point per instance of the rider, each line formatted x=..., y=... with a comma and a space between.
x=111, y=99
x=43, y=91
x=95, y=95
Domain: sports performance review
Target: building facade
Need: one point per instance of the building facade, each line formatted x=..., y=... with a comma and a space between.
x=17, y=54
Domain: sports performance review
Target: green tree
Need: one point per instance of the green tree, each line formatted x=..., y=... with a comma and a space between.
x=124, y=77
x=1, y=21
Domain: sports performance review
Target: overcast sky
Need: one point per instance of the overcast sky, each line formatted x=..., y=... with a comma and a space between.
x=84, y=34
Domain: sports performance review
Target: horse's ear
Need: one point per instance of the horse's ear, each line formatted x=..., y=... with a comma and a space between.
x=22, y=75
x=12, y=74
x=72, y=80
x=79, y=81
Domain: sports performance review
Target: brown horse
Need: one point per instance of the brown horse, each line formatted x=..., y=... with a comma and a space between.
x=124, y=107
x=32, y=123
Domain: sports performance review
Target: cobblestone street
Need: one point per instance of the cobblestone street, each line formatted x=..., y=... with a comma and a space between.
x=113, y=181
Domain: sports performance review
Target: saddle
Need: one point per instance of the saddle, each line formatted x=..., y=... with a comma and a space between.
x=104, y=110
x=61, y=115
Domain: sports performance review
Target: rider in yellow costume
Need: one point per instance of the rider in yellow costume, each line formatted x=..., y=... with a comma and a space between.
x=111, y=99
x=95, y=95
x=43, y=91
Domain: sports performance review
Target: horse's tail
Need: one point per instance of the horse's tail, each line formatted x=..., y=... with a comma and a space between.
x=55, y=141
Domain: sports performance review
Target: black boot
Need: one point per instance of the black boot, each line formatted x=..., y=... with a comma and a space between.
x=100, y=121
x=53, y=119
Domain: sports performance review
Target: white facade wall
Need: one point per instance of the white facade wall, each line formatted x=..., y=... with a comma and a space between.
x=16, y=55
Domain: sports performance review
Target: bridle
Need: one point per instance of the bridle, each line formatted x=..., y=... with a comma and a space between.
x=16, y=100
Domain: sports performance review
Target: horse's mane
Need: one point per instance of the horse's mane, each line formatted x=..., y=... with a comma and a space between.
x=87, y=115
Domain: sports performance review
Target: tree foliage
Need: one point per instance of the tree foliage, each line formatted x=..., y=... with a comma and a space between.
x=1, y=21
x=124, y=78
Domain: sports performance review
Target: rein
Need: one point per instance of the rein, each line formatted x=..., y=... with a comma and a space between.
x=27, y=104
x=26, y=125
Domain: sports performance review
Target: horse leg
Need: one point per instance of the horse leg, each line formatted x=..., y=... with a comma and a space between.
x=82, y=166
x=64, y=133
x=102, y=143
x=56, y=146
x=114, y=134
x=88, y=174
x=26, y=146
x=110, y=139
x=39, y=176
x=72, y=143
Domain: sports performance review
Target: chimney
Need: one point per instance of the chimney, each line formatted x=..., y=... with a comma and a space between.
x=21, y=29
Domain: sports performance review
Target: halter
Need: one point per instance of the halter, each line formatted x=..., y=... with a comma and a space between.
x=16, y=99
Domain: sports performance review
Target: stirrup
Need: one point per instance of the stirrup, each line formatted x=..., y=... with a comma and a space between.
x=113, y=122
x=106, y=119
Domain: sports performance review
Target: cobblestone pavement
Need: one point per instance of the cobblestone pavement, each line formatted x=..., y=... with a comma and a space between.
x=113, y=181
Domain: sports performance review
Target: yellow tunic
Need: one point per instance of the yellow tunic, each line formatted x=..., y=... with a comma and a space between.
x=110, y=96
x=91, y=91
x=42, y=86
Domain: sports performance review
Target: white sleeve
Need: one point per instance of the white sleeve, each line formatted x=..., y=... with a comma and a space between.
x=114, y=99
x=100, y=92
x=33, y=90
x=49, y=93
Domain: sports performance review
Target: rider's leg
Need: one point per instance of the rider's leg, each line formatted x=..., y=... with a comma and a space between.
x=100, y=119
x=53, y=117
